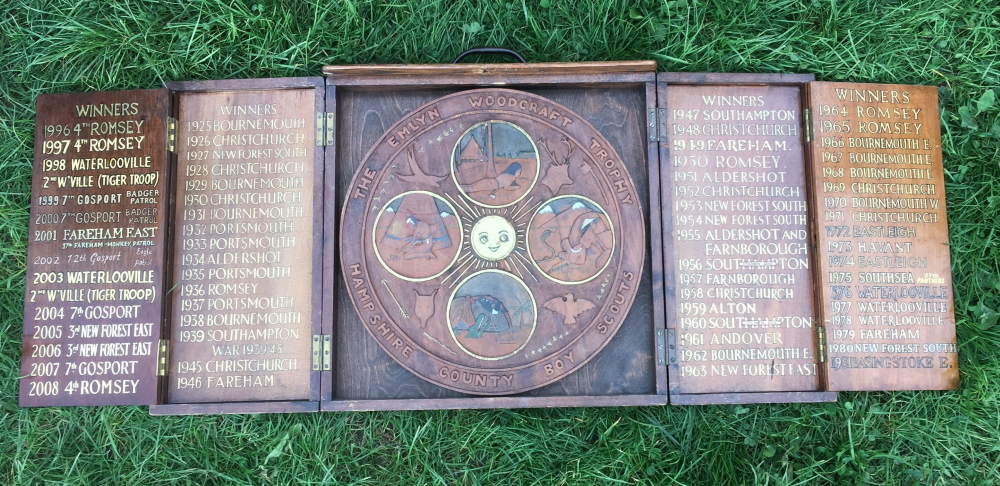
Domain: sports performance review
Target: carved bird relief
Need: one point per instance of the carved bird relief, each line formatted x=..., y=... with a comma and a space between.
x=569, y=307
x=418, y=176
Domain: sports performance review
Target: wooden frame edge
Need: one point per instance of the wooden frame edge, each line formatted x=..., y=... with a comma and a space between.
x=481, y=403
x=765, y=397
x=221, y=408
x=256, y=83
x=733, y=78
x=553, y=68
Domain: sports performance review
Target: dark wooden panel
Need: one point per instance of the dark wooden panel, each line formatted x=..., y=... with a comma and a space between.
x=656, y=239
x=247, y=280
x=742, y=284
x=363, y=371
x=93, y=301
x=331, y=216
x=627, y=365
x=885, y=269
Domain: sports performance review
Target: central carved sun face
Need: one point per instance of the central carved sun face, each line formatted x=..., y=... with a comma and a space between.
x=493, y=238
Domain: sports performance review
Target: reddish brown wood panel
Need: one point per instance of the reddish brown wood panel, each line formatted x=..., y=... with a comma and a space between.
x=885, y=268
x=364, y=372
x=492, y=255
x=93, y=301
x=245, y=271
x=739, y=285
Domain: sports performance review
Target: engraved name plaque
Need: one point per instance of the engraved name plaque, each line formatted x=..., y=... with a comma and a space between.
x=743, y=289
x=885, y=268
x=93, y=302
x=782, y=192
x=243, y=247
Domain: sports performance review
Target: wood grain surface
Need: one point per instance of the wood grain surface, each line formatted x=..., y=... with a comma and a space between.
x=884, y=266
x=94, y=293
x=246, y=301
x=740, y=242
x=767, y=236
x=477, y=71
x=370, y=114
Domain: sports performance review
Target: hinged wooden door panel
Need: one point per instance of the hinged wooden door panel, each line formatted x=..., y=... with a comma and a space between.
x=94, y=293
x=884, y=264
x=244, y=325
x=741, y=318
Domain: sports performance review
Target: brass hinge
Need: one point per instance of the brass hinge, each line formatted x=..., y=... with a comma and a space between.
x=317, y=351
x=807, y=119
x=322, y=352
x=324, y=129
x=327, y=352
x=320, y=141
x=671, y=348
x=656, y=124
x=171, y=134
x=161, y=358
x=821, y=340
x=329, y=129
x=661, y=348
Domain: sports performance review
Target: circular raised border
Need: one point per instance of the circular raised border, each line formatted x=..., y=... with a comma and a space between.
x=534, y=323
x=534, y=180
x=458, y=252
x=527, y=239
x=419, y=367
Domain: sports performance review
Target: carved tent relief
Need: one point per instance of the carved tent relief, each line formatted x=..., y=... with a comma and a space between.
x=482, y=241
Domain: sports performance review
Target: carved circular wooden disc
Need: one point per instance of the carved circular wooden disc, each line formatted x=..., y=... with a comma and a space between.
x=483, y=241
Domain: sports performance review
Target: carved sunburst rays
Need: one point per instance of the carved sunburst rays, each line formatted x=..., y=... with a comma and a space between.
x=516, y=262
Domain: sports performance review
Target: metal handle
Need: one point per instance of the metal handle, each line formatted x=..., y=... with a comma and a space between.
x=489, y=50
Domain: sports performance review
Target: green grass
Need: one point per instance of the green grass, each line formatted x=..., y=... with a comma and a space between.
x=865, y=438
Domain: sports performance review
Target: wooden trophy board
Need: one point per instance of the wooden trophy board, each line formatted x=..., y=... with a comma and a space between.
x=740, y=301
x=246, y=281
x=780, y=192
x=884, y=261
x=486, y=236
x=94, y=296
x=491, y=256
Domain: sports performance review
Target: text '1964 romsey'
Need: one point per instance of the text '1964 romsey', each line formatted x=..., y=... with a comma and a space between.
x=885, y=270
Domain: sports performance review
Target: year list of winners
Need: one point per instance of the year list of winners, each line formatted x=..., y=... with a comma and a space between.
x=93, y=301
x=243, y=247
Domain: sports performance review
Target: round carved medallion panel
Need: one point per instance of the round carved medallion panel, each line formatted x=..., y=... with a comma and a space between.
x=483, y=241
